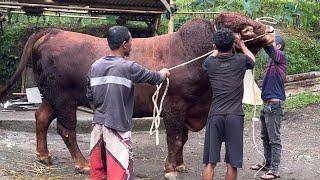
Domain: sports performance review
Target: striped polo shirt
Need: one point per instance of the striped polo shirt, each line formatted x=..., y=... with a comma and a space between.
x=111, y=89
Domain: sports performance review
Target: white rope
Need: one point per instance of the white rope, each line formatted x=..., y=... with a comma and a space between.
x=269, y=20
x=255, y=37
x=254, y=118
x=192, y=60
x=158, y=109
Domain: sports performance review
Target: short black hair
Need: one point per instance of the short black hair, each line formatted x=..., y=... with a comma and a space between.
x=224, y=39
x=280, y=40
x=117, y=35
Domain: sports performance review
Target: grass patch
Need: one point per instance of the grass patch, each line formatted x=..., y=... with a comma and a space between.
x=300, y=101
x=249, y=111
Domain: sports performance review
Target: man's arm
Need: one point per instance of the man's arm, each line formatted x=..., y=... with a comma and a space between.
x=246, y=51
x=89, y=94
x=274, y=54
x=140, y=74
x=240, y=44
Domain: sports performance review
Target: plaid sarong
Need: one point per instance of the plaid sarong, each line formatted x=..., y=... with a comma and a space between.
x=110, y=154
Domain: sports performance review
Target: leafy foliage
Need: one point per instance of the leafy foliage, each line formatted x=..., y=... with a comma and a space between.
x=303, y=53
x=301, y=13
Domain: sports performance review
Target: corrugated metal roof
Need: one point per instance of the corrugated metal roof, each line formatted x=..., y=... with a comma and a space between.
x=128, y=3
x=116, y=4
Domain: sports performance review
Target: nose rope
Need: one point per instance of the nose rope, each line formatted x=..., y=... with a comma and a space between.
x=248, y=40
x=261, y=20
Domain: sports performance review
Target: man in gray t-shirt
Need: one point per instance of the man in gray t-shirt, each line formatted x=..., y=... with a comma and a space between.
x=111, y=94
x=226, y=71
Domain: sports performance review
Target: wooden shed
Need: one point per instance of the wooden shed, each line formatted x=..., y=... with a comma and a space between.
x=148, y=11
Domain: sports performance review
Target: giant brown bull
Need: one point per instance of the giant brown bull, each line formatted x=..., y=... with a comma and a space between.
x=61, y=60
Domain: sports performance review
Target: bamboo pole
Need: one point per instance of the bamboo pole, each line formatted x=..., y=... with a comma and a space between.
x=48, y=9
x=198, y=12
x=61, y=15
x=171, y=20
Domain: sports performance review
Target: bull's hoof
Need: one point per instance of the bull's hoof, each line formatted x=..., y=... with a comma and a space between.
x=182, y=168
x=171, y=176
x=47, y=160
x=82, y=170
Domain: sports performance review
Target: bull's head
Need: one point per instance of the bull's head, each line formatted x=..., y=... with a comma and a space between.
x=256, y=35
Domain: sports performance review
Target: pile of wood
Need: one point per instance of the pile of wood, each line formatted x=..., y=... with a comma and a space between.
x=299, y=83
x=305, y=82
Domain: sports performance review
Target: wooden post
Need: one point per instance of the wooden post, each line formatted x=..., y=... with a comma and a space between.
x=171, y=20
x=154, y=25
x=2, y=18
x=9, y=14
x=23, y=80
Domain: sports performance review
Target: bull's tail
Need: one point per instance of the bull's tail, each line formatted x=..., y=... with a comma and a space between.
x=26, y=55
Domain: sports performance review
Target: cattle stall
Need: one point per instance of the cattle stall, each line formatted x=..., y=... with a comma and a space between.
x=148, y=11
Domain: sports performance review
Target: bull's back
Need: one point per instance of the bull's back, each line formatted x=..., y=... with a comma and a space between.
x=63, y=60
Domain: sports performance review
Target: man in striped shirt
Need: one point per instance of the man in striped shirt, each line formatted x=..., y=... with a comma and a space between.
x=111, y=95
x=273, y=95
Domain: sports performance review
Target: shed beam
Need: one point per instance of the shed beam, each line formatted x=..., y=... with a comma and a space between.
x=167, y=5
x=82, y=8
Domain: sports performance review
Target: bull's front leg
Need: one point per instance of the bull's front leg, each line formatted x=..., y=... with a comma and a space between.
x=174, y=129
x=181, y=166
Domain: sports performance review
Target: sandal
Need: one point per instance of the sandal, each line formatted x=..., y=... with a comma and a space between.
x=270, y=175
x=258, y=166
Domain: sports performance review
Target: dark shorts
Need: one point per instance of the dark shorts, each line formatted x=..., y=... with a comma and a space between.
x=228, y=129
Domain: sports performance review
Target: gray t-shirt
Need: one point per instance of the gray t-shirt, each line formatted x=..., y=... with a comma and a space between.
x=226, y=75
x=111, y=90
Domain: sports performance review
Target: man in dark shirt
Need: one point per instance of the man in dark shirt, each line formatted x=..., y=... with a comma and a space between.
x=273, y=96
x=226, y=71
x=111, y=95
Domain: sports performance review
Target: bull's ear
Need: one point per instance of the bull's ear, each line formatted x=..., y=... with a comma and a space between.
x=214, y=46
x=247, y=31
x=278, y=46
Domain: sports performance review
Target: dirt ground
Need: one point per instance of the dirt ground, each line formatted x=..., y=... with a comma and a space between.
x=300, y=160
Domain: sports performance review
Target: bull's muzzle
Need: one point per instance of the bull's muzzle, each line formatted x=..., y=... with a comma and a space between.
x=270, y=29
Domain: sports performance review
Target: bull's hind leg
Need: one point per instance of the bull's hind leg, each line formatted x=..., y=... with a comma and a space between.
x=66, y=127
x=181, y=167
x=44, y=116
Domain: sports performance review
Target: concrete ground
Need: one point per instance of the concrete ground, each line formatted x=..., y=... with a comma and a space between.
x=300, y=160
x=25, y=121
